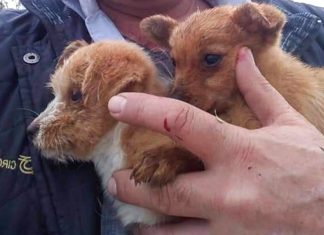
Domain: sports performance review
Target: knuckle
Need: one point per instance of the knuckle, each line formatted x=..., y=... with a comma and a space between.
x=123, y=192
x=241, y=146
x=245, y=156
x=139, y=113
x=244, y=150
x=183, y=120
x=182, y=193
x=214, y=204
x=124, y=187
x=162, y=201
x=265, y=85
x=173, y=196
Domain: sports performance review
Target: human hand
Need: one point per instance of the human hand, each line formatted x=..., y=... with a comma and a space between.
x=263, y=181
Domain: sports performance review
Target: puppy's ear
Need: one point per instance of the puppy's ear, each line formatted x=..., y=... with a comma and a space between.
x=96, y=90
x=131, y=84
x=69, y=50
x=158, y=28
x=259, y=18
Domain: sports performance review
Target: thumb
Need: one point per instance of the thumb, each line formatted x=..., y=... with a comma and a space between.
x=261, y=97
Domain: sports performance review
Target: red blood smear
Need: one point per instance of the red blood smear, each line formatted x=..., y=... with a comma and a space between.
x=166, y=127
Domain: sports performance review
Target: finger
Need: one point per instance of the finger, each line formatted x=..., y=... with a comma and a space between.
x=188, y=227
x=186, y=124
x=185, y=197
x=260, y=96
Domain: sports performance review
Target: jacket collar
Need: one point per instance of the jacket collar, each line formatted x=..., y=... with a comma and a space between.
x=50, y=12
x=53, y=15
x=62, y=24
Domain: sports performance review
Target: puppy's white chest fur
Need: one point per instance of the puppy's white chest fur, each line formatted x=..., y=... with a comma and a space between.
x=108, y=157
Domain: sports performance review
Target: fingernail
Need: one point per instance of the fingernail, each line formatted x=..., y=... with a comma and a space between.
x=112, y=188
x=246, y=54
x=116, y=104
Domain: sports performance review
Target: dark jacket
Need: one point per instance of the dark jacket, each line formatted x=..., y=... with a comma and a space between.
x=38, y=196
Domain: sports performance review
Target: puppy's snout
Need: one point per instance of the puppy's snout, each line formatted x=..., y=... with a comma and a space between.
x=179, y=94
x=33, y=128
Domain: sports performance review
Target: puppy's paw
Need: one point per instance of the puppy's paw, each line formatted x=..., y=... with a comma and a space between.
x=161, y=165
x=154, y=169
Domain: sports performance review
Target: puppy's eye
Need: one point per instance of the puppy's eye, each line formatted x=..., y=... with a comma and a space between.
x=76, y=96
x=211, y=60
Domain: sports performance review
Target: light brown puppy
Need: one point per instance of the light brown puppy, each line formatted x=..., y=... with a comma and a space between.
x=204, y=49
x=76, y=125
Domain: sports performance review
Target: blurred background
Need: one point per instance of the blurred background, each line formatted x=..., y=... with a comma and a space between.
x=17, y=4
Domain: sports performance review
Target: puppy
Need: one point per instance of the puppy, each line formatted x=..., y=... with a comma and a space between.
x=204, y=49
x=76, y=125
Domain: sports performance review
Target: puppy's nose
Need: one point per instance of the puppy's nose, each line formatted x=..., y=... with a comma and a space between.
x=33, y=128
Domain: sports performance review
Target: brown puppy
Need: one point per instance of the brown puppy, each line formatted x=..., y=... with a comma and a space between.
x=76, y=125
x=204, y=49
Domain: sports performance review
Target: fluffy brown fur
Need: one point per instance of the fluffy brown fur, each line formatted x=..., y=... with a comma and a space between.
x=86, y=77
x=221, y=32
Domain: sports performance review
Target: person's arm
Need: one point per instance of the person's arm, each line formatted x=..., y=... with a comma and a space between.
x=264, y=181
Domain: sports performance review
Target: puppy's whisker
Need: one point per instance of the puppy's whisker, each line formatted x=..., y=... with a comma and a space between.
x=158, y=61
x=166, y=69
x=100, y=203
x=221, y=121
x=163, y=51
x=29, y=110
x=59, y=150
x=98, y=91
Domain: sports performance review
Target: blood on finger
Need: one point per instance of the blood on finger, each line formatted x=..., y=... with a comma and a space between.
x=165, y=125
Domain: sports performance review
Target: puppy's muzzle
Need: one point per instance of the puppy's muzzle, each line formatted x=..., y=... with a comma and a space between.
x=179, y=94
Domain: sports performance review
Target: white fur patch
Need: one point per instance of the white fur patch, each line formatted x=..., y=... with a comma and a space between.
x=45, y=118
x=109, y=157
